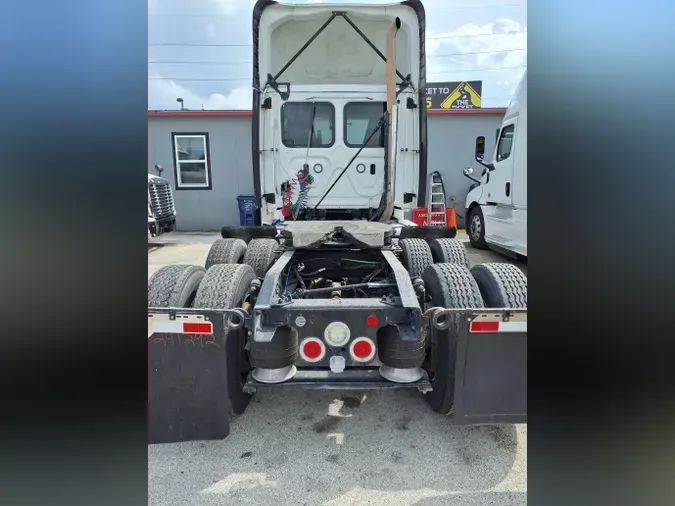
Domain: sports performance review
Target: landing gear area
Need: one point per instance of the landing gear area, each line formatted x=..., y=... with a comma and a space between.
x=338, y=305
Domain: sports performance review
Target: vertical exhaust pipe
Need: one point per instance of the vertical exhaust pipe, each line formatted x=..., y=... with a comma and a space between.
x=392, y=119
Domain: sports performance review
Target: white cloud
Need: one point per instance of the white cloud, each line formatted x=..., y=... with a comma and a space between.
x=210, y=29
x=162, y=94
x=452, y=33
x=494, y=53
x=231, y=7
x=227, y=7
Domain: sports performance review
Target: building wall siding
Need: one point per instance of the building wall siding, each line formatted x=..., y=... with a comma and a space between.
x=451, y=139
x=231, y=169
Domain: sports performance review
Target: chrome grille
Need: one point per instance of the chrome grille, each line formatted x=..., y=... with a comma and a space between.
x=161, y=199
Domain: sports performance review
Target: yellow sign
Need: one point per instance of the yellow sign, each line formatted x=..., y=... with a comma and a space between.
x=462, y=97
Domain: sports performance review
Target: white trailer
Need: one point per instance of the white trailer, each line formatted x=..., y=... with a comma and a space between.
x=496, y=209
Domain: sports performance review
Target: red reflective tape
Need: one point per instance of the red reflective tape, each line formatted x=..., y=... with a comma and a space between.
x=478, y=326
x=198, y=328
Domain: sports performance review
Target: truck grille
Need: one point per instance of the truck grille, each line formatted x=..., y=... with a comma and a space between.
x=161, y=200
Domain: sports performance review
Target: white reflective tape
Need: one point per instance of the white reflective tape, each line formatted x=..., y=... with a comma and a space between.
x=492, y=326
x=163, y=324
x=513, y=327
x=166, y=327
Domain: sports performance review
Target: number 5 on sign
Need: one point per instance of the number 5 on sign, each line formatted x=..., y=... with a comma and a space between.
x=428, y=102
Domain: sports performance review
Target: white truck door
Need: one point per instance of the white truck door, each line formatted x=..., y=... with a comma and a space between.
x=307, y=135
x=340, y=128
x=499, y=189
x=364, y=181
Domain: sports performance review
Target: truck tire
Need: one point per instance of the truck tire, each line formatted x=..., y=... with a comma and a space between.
x=415, y=256
x=501, y=285
x=226, y=287
x=448, y=286
x=174, y=285
x=226, y=251
x=260, y=254
x=475, y=228
x=449, y=251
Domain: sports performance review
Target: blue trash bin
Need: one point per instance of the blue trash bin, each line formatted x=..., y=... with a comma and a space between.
x=249, y=214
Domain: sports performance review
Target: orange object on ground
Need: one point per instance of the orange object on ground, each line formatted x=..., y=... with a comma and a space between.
x=451, y=218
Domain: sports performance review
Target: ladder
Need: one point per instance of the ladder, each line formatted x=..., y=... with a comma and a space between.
x=436, y=216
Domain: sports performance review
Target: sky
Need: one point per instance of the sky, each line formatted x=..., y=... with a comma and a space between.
x=200, y=50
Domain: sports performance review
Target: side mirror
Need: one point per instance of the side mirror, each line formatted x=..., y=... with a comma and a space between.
x=480, y=148
x=468, y=171
x=159, y=169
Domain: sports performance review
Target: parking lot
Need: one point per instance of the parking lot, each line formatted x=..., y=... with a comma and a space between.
x=300, y=447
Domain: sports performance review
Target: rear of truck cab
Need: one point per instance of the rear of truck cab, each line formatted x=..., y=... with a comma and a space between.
x=316, y=113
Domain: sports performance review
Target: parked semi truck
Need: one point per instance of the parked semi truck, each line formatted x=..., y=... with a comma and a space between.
x=341, y=292
x=496, y=207
x=161, y=207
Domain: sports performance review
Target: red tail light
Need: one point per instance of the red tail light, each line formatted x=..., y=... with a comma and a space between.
x=312, y=349
x=362, y=349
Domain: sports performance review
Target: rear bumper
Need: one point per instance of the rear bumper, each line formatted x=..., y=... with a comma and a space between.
x=186, y=346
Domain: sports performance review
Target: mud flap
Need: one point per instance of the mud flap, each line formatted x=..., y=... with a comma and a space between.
x=427, y=233
x=187, y=380
x=248, y=232
x=491, y=369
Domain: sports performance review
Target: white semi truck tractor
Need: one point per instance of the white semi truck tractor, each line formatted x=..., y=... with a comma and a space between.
x=496, y=208
x=336, y=290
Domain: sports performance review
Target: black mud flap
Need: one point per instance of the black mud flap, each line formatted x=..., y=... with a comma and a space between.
x=248, y=233
x=187, y=381
x=491, y=369
x=427, y=233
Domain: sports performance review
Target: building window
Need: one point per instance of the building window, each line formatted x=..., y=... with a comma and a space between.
x=192, y=164
x=302, y=121
x=505, y=142
x=360, y=119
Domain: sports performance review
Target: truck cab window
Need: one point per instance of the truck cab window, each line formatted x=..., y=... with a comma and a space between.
x=360, y=119
x=505, y=142
x=296, y=124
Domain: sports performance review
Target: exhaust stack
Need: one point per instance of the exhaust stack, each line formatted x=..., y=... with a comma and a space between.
x=392, y=119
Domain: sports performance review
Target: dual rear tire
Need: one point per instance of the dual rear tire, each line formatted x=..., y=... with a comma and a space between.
x=418, y=254
x=452, y=285
x=260, y=254
x=449, y=283
x=222, y=286
x=224, y=283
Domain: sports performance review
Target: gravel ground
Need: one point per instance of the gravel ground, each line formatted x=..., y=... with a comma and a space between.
x=338, y=448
